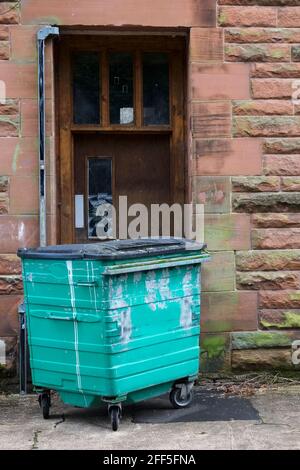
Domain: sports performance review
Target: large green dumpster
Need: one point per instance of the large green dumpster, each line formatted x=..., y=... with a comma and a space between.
x=117, y=321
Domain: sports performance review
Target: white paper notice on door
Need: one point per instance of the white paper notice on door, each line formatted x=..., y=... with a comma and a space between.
x=126, y=115
x=79, y=211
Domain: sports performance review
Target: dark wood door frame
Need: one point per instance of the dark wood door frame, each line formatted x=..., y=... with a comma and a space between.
x=175, y=47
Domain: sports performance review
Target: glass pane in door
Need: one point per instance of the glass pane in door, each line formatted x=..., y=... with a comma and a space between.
x=86, y=88
x=99, y=195
x=156, y=89
x=121, y=108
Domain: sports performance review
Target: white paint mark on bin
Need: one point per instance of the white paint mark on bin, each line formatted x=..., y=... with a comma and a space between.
x=186, y=314
x=126, y=326
x=151, y=289
x=75, y=326
x=94, y=286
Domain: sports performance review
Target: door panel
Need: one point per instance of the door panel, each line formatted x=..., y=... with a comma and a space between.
x=140, y=169
x=120, y=99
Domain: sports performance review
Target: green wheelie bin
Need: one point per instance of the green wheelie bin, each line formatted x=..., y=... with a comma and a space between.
x=115, y=322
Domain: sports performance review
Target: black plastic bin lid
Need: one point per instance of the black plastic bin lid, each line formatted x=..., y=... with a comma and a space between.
x=116, y=249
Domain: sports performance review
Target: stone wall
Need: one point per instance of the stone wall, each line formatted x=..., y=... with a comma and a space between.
x=246, y=167
x=244, y=149
x=19, y=163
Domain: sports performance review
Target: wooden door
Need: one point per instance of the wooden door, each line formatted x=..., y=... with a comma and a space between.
x=121, y=123
x=135, y=166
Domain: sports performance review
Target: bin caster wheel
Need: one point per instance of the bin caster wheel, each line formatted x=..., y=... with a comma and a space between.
x=45, y=403
x=179, y=401
x=115, y=415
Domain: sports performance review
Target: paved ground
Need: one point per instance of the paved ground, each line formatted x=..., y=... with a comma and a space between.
x=268, y=420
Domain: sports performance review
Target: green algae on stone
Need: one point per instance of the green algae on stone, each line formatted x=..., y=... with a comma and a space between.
x=277, y=54
x=219, y=232
x=215, y=356
x=259, y=339
x=14, y=122
x=268, y=260
x=287, y=320
x=296, y=53
x=266, y=202
x=265, y=126
x=294, y=296
x=222, y=19
x=214, y=346
x=245, y=104
x=256, y=52
x=15, y=158
x=255, y=183
x=289, y=145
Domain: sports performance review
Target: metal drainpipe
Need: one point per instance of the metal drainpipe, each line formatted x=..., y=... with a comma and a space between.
x=23, y=353
x=42, y=35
